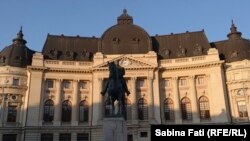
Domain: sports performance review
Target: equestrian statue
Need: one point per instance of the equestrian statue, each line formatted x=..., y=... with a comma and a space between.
x=116, y=88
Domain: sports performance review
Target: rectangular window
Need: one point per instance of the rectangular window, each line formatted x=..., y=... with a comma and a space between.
x=183, y=82
x=9, y=137
x=15, y=81
x=65, y=137
x=50, y=84
x=140, y=83
x=144, y=134
x=83, y=137
x=12, y=113
x=200, y=80
x=83, y=84
x=46, y=137
x=166, y=83
x=66, y=84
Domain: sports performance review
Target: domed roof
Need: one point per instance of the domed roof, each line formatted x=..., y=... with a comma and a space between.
x=125, y=38
x=17, y=54
x=236, y=47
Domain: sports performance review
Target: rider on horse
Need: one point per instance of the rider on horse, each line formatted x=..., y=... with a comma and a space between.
x=121, y=73
x=116, y=88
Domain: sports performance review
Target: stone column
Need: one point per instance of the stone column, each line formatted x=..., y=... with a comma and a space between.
x=43, y=98
x=151, y=99
x=232, y=106
x=97, y=101
x=18, y=116
x=75, y=103
x=177, y=108
x=2, y=111
x=194, y=100
x=58, y=103
x=134, y=100
x=101, y=99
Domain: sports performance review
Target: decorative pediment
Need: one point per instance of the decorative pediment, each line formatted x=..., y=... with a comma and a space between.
x=127, y=63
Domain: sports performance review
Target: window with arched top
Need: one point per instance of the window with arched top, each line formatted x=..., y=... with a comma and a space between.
x=169, y=109
x=83, y=111
x=128, y=109
x=48, y=114
x=108, y=107
x=66, y=111
x=242, y=109
x=186, y=109
x=204, y=108
x=142, y=109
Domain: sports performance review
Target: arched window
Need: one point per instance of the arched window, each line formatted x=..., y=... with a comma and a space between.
x=128, y=109
x=186, y=109
x=108, y=107
x=83, y=111
x=66, y=111
x=242, y=108
x=204, y=108
x=169, y=109
x=142, y=109
x=48, y=114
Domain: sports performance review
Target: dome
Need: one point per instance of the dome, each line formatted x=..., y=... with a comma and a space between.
x=125, y=38
x=17, y=54
x=236, y=47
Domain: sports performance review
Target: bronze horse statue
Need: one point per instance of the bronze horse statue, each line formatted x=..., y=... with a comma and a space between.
x=116, y=88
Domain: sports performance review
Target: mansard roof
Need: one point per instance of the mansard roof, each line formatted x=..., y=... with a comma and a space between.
x=70, y=48
x=181, y=45
x=128, y=38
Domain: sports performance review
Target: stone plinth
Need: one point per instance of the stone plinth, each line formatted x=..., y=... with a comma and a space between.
x=114, y=129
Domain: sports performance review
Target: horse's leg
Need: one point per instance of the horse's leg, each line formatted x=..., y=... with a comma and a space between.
x=123, y=106
x=113, y=106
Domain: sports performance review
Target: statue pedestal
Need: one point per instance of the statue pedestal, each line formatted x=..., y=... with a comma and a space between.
x=114, y=129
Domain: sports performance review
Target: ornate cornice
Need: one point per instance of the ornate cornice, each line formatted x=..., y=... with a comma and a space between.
x=237, y=81
x=68, y=70
x=195, y=66
x=36, y=68
x=126, y=68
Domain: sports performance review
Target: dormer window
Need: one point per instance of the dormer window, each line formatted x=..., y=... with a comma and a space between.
x=197, y=50
x=18, y=59
x=234, y=54
x=69, y=54
x=53, y=53
x=115, y=40
x=181, y=52
x=2, y=59
x=87, y=55
x=135, y=40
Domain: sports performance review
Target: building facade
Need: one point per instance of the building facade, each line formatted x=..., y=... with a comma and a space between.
x=54, y=95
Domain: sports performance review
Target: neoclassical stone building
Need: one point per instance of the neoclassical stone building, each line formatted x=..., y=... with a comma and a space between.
x=54, y=95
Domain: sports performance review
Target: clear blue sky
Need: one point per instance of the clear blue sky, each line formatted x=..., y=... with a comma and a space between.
x=93, y=17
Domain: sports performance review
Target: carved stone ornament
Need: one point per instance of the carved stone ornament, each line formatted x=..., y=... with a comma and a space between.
x=165, y=53
x=181, y=52
x=197, y=50
x=124, y=62
x=53, y=53
x=234, y=54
